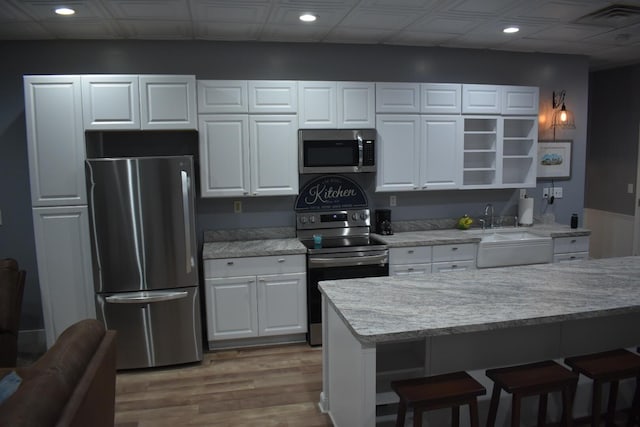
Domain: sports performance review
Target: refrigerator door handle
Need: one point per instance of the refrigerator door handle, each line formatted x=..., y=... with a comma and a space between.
x=186, y=215
x=145, y=297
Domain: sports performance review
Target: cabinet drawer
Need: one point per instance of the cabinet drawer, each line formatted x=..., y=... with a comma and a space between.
x=248, y=266
x=439, y=267
x=465, y=251
x=569, y=257
x=409, y=269
x=570, y=244
x=410, y=255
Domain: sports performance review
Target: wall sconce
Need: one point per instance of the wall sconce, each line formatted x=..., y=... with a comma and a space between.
x=562, y=118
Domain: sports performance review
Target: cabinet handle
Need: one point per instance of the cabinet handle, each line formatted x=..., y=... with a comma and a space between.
x=573, y=240
x=410, y=251
x=454, y=248
x=229, y=262
x=454, y=266
x=280, y=260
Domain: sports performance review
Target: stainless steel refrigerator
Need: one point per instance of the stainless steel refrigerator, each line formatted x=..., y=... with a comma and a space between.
x=141, y=214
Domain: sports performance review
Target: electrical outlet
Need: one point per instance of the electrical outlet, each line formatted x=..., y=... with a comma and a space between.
x=523, y=193
x=237, y=206
x=557, y=192
x=630, y=188
x=392, y=200
x=545, y=193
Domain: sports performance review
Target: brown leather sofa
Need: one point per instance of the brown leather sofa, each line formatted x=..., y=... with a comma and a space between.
x=11, y=291
x=72, y=384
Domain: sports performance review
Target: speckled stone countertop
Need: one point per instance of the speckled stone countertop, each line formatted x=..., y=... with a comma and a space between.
x=245, y=248
x=383, y=309
x=454, y=236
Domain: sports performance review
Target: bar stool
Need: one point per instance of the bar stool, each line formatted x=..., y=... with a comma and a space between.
x=435, y=392
x=609, y=366
x=532, y=379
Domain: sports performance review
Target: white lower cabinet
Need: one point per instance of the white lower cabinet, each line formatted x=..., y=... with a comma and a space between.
x=454, y=257
x=411, y=260
x=420, y=260
x=255, y=297
x=64, y=267
x=568, y=249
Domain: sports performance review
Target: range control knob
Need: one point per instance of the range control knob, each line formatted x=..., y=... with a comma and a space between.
x=363, y=215
x=354, y=216
x=303, y=219
x=312, y=219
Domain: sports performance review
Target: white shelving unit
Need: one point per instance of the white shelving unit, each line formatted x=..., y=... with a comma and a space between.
x=519, y=149
x=480, y=152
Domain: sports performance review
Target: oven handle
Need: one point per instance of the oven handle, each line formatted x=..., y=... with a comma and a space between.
x=349, y=261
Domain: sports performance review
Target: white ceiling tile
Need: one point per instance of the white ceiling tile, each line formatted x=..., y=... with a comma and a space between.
x=371, y=20
x=10, y=12
x=225, y=31
x=43, y=10
x=157, y=30
x=85, y=29
x=622, y=37
x=358, y=35
x=420, y=38
x=287, y=33
x=484, y=7
x=23, y=31
x=444, y=24
x=285, y=14
x=568, y=32
x=149, y=9
x=229, y=12
x=555, y=11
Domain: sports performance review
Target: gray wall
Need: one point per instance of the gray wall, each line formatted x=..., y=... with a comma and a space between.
x=211, y=60
x=614, y=112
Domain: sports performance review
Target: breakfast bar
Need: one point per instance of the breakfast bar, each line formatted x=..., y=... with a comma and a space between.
x=379, y=329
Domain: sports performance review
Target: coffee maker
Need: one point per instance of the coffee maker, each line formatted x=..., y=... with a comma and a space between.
x=383, y=221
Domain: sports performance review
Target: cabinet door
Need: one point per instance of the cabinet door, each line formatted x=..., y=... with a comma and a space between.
x=398, y=98
x=440, y=153
x=64, y=267
x=273, y=96
x=222, y=96
x=110, y=102
x=397, y=152
x=441, y=98
x=224, y=155
x=232, y=307
x=481, y=99
x=168, y=102
x=356, y=105
x=282, y=304
x=521, y=100
x=55, y=140
x=318, y=106
x=274, y=154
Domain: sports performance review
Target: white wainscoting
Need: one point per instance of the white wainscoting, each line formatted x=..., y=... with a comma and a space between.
x=611, y=233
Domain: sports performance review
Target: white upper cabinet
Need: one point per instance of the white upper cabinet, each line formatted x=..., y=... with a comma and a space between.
x=398, y=98
x=397, y=152
x=481, y=99
x=273, y=143
x=224, y=155
x=520, y=100
x=273, y=96
x=168, y=102
x=356, y=105
x=110, y=102
x=440, y=152
x=318, y=105
x=441, y=98
x=336, y=105
x=222, y=96
x=55, y=140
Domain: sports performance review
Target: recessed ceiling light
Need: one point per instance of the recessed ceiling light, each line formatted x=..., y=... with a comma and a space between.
x=65, y=11
x=511, y=30
x=307, y=17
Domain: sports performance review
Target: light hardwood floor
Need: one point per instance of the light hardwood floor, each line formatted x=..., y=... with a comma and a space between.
x=272, y=386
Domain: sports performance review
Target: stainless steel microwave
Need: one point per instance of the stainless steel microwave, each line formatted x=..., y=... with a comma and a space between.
x=336, y=150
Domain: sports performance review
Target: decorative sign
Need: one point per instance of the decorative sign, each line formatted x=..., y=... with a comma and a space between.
x=331, y=192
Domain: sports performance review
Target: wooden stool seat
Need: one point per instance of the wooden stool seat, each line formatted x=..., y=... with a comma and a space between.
x=435, y=392
x=609, y=366
x=529, y=380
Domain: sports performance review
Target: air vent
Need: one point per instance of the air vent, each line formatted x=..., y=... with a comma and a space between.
x=616, y=15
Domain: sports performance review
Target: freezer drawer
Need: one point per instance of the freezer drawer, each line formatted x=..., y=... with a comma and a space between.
x=155, y=328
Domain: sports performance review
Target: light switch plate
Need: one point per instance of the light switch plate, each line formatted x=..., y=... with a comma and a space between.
x=237, y=206
x=557, y=192
x=392, y=201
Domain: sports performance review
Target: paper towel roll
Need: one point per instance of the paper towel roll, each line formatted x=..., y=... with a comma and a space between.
x=525, y=211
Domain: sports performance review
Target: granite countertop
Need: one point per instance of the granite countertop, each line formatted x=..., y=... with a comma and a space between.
x=383, y=309
x=247, y=248
x=455, y=236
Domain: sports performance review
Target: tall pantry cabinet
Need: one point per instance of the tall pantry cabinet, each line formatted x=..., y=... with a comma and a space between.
x=56, y=150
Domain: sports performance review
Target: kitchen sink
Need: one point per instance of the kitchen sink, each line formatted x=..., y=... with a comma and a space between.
x=512, y=246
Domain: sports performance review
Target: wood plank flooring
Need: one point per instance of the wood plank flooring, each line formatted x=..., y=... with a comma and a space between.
x=268, y=386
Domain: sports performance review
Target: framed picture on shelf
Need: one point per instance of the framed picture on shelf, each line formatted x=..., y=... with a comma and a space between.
x=554, y=159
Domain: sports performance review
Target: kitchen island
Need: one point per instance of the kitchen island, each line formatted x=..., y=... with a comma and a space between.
x=384, y=328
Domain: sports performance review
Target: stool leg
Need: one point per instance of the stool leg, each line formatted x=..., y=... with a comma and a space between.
x=635, y=406
x=402, y=412
x=473, y=413
x=493, y=408
x=515, y=410
x=595, y=403
x=417, y=417
x=568, y=394
x=455, y=416
x=542, y=410
x=611, y=407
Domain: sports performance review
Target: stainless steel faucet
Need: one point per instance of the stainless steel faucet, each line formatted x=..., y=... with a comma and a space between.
x=489, y=208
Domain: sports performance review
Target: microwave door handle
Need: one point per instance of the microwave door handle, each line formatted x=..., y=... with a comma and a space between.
x=360, y=151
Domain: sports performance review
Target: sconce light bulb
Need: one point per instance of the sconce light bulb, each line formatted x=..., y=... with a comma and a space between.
x=563, y=116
